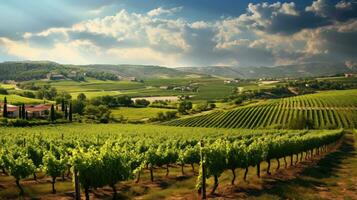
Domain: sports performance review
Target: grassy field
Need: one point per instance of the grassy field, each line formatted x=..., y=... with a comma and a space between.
x=93, y=94
x=324, y=110
x=209, y=88
x=8, y=86
x=91, y=85
x=16, y=99
x=137, y=114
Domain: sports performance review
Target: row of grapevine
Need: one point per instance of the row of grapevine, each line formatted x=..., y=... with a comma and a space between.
x=104, y=160
x=225, y=155
x=322, y=111
x=269, y=117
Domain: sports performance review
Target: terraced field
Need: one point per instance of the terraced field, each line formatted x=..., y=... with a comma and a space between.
x=330, y=109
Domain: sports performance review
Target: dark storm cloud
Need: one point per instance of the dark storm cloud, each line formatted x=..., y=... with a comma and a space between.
x=341, y=45
x=341, y=11
x=293, y=20
x=290, y=24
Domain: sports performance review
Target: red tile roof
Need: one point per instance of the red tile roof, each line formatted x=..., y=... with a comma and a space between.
x=38, y=108
x=12, y=109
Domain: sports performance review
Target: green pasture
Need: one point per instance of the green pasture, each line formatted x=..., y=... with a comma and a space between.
x=137, y=114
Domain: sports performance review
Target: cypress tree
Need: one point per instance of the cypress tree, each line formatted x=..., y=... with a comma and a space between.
x=20, y=112
x=70, y=112
x=62, y=105
x=26, y=115
x=66, y=112
x=23, y=112
x=4, y=114
x=52, y=113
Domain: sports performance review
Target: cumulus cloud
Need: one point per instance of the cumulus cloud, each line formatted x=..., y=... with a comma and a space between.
x=160, y=11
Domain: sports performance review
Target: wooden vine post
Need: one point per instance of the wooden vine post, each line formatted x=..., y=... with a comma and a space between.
x=76, y=185
x=203, y=188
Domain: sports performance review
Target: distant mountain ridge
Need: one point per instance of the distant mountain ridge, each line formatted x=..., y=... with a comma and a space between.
x=284, y=71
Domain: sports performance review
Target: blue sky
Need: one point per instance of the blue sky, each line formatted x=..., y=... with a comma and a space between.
x=179, y=33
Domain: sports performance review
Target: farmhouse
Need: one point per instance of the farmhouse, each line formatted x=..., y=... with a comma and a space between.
x=55, y=76
x=38, y=111
x=231, y=81
x=12, y=111
x=33, y=111
x=349, y=75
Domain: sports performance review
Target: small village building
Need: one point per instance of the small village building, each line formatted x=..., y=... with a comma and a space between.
x=12, y=110
x=55, y=76
x=38, y=111
x=33, y=111
x=348, y=75
x=132, y=79
x=227, y=81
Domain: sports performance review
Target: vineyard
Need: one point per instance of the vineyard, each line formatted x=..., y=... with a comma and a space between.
x=325, y=110
x=96, y=156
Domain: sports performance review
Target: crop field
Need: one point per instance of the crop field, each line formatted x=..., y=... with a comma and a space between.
x=120, y=154
x=331, y=109
x=137, y=114
x=93, y=94
x=91, y=85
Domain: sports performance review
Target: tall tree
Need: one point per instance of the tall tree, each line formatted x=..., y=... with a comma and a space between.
x=81, y=97
x=23, y=111
x=52, y=113
x=62, y=105
x=65, y=112
x=5, y=108
x=20, y=111
x=70, y=112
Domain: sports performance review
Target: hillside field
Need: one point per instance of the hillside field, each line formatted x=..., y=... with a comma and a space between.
x=330, y=109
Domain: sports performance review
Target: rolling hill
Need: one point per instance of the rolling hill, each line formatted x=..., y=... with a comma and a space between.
x=325, y=110
x=139, y=71
x=32, y=70
x=29, y=70
x=26, y=70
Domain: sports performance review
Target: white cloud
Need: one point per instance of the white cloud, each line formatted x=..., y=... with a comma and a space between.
x=318, y=6
x=161, y=11
x=343, y=5
x=288, y=8
x=147, y=56
x=200, y=25
x=66, y=52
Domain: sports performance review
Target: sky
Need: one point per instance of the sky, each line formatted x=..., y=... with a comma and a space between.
x=177, y=33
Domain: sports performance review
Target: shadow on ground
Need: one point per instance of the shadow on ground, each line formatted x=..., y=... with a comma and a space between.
x=307, y=178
